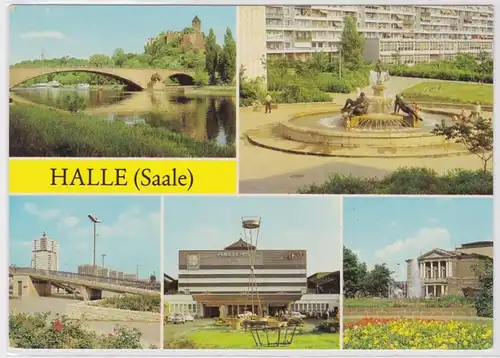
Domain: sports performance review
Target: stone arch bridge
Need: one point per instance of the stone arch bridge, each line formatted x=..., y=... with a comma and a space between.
x=137, y=79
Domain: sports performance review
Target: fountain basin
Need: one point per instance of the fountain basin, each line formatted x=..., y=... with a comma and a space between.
x=342, y=138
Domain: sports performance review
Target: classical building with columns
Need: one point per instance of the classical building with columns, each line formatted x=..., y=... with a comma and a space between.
x=215, y=283
x=451, y=272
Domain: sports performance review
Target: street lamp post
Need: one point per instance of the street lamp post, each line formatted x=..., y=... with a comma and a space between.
x=137, y=273
x=103, y=256
x=95, y=221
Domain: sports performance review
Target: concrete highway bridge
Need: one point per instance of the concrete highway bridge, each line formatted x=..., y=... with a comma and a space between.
x=134, y=78
x=31, y=282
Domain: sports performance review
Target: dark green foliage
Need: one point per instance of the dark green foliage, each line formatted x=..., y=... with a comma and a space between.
x=329, y=326
x=145, y=303
x=484, y=299
x=352, y=45
x=227, y=60
x=465, y=67
x=36, y=331
x=409, y=181
x=45, y=132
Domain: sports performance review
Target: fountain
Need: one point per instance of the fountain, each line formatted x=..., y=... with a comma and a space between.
x=415, y=289
x=379, y=115
x=373, y=133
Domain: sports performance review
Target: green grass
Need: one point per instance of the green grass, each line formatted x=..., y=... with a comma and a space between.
x=451, y=92
x=361, y=303
x=229, y=91
x=38, y=131
x=445, y=301
x=230, y=339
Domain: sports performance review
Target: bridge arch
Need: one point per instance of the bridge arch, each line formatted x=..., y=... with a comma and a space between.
x=134, y=79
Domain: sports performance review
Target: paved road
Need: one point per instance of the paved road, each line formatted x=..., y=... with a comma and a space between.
x=150, y=330
x=267, y=171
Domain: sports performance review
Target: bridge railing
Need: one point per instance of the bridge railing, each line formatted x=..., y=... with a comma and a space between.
x=156, y=286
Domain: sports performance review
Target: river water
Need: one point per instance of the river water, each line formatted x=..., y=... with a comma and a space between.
x=200, y=117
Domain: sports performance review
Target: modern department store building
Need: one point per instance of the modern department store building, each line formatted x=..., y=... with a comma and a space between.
x=213, y=283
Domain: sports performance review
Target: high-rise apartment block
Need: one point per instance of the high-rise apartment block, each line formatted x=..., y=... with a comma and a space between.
x=409, y=33
x=45, y=254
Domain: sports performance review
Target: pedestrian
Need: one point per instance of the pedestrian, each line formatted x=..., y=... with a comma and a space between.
x=268, y=100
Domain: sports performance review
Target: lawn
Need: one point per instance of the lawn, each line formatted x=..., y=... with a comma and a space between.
x=210, y=337
x=446, y=301
x=39, y=131
x=450, y=92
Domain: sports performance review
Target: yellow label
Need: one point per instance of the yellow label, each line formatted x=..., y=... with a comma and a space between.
x=127, y=176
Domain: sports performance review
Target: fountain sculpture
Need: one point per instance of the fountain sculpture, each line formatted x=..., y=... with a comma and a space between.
x=415, y=290
x=379, y=114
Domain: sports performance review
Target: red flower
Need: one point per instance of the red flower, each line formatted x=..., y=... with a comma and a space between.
x=58, y=325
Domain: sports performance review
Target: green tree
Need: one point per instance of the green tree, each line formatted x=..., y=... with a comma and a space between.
x=476, y=135
x=484, y=299
x=119, y=57
x=354, y=274
x=227, y=61
x=211, y=56
x=378, y=281
x=351, y=44
x=100, y=60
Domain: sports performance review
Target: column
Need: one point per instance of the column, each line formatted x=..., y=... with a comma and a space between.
x=422, y=269
x=432, y=269
x=439, y=269
x=450, y=269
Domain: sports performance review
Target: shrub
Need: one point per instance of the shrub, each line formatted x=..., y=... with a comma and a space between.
x=484, y=300
x=36, y=331
x=409, y=181
x=329, y=326
x=181, y=344
x=144, y=303
x=36, y=131
x=406, y=333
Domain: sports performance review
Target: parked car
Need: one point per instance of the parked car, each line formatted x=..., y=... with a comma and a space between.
x=178, y=318
x=188, y=318
x=297, y=315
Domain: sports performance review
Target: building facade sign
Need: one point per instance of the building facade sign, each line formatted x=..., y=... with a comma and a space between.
x=229, y=253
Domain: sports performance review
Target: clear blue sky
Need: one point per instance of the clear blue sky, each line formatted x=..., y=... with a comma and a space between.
x=288, y=223
x=394, y=229
x=129, y=234
x=83, y=30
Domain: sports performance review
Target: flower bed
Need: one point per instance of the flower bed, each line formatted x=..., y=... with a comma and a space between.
x=404, y=333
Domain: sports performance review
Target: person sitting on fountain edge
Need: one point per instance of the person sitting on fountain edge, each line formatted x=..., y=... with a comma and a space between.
x=400, y=104
x=351, y=106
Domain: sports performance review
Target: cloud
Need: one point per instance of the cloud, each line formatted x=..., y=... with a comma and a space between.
x=393, y=224
x=43, y=35
x=42, y=214
x=69, y=222
x=423, y=240
x=130, y=224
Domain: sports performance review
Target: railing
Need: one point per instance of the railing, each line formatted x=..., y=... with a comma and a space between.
x=155, y=286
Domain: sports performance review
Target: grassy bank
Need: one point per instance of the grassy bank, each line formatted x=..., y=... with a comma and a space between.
x=37, y=131
x=409, y=181
x=455, y=92
x=229, y=91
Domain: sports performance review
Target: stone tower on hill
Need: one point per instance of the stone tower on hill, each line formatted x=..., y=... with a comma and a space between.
x=196, y=24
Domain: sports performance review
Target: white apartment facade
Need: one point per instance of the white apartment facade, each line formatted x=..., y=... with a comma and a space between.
x=412, y=33
x=45, y=254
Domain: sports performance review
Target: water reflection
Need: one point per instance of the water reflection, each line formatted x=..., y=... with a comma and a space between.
x=200, y=117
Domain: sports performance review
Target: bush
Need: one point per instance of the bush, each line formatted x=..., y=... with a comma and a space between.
x=465, y=67
x=144, y=303
x=181, y=344
x=409, y=181
x=329, y=326
x=36, y=131
x=36, y=331
x=406, y=333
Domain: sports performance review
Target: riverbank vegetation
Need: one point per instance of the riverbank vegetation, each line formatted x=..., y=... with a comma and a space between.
x=451, y=92
x=410, y=181
x=212, y=65
x=312, y=80
x=465, y=67
x=37, y=131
